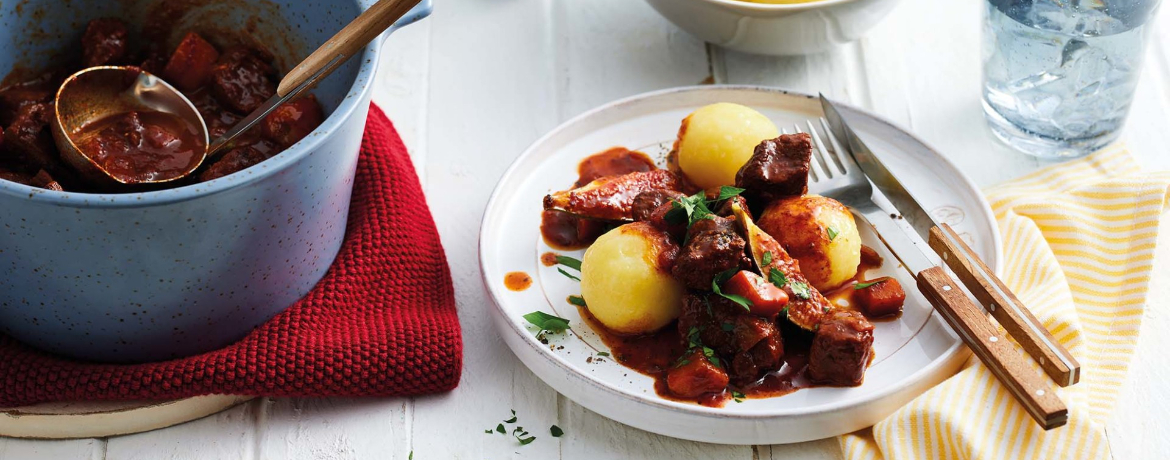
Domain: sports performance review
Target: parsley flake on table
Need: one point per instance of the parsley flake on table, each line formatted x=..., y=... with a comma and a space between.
x=513, y=419
x=500, y=428
x=556, y=431
x=603, y=353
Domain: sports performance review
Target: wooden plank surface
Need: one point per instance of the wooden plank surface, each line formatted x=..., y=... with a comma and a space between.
x=472, y=86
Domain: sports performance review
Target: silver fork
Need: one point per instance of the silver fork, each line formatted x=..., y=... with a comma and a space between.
x=838, y=177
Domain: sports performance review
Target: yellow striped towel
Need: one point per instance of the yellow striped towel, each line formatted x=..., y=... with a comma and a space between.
x=1079, y=243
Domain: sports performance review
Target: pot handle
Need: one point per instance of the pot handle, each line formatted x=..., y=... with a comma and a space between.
x=422, y=10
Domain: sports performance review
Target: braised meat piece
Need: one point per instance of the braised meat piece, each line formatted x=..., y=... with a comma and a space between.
x=611, y=197
x=191, y=64
x=750, y=346
x=104, y=42
x=841, y=349
x=646, y=203
x=16, y=97
x=712, y=247
x=242, y=79
x=28, y=141
x=777, y=168
x=696, y=375
x=293, y=120
x=236, y=159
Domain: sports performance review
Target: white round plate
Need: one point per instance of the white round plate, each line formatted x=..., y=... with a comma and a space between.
x=912, y=353
x=92, y=419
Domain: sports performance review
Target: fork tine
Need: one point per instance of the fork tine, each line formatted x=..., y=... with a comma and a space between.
x=817, y=160
x=843, y=157
x=828, y=155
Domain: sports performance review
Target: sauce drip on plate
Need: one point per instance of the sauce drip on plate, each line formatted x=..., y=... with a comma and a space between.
x=517, y=281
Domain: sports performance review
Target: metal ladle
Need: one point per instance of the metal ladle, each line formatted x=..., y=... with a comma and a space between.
x=98, y=92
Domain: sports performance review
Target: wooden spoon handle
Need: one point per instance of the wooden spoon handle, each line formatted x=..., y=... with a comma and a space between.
x=345, y=44
x=1030, y=388
x=1012, y=314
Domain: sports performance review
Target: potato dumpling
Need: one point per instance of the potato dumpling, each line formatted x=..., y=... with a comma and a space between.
x=624, y=283
x=716, y=140
x=820, y=233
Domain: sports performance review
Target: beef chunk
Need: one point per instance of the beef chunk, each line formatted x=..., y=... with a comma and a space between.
x=646, y=203
x=45, y=181
x=778, y=168
x=28, y=141
x=882, y=298
x=104, y=42
x=242, y=79
x=292, y=121
x=841, y=349
x=236, y=159
x=696, y=375
x=712, y=247
x=16, y=97
x=749, y=345
x=191, y=64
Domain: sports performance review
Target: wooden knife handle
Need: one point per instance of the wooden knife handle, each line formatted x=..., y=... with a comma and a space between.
x=1056, y=361
x=1030, y=388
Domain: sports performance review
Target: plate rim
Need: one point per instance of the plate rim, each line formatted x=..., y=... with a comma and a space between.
x=944, y=359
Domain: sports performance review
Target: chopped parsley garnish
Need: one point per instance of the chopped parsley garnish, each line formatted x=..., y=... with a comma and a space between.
x=801, y=290
x=500, y=429
x=563, y=272
x=513, y=419
x=871, y=283
x=488, y=431
x=697, y=207
x=556, y=431
x=603, y=353
x=519, y=433
x=767, y=259
x=777, y=278
x=726, y=192
x=723, y=277
x=547, y=322
x=569, y=262
x=739, y=397
x=727, y=327
x=577, y=300
x=832, y=232
x=411, y=456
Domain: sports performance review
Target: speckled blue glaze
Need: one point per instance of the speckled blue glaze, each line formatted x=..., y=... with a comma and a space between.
x=151, y=276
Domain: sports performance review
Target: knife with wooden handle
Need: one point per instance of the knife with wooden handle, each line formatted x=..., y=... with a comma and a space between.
x=964, y=315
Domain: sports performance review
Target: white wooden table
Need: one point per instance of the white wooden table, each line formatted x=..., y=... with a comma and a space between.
x=473, y=85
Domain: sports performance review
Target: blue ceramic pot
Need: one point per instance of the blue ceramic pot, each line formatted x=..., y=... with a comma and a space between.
x=155, y=275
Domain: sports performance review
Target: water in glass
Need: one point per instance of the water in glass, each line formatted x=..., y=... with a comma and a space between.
x=1059, y=75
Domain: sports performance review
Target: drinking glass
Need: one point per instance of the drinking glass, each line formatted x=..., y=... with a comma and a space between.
x=1059, y=75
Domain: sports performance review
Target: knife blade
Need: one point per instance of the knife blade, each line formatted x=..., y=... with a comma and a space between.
x=992, y=293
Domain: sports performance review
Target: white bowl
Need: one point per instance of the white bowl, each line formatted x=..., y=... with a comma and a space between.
x=775, y=29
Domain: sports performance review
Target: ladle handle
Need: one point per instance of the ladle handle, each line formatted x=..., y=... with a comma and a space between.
x=345, y=44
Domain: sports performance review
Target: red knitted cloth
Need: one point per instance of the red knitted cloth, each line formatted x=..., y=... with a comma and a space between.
x=381, y=322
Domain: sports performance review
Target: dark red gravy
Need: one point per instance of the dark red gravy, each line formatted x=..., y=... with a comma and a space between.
x=517, y=281
x=145, y=146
